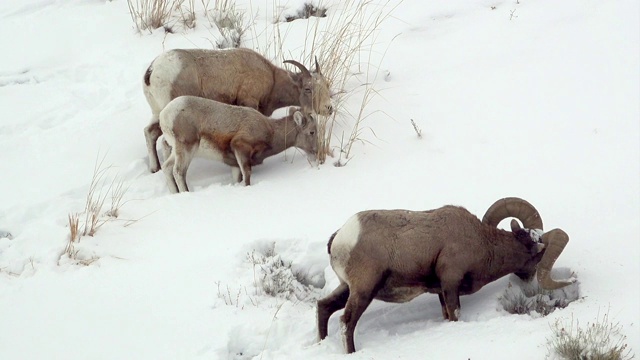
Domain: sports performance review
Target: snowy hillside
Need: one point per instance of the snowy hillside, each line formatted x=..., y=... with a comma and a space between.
x=535, y=99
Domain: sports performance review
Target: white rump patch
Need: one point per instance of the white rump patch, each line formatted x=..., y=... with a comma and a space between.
x=344, y=241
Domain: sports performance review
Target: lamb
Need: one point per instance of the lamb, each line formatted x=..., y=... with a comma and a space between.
x=238, y=136
x=396, y=255
x=232, y=76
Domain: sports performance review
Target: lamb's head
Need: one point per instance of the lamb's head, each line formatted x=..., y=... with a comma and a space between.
x=545, y=247
x=306, y=131
x=314, y=90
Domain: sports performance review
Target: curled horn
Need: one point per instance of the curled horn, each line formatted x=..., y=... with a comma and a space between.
x=302, y=68
x=554, y=241
x=513, y=207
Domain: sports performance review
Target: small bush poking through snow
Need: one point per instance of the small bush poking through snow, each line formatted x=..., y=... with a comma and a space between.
x=308, y=10
x=524, y=298
x=601, y=340
x=229, y=21
x=274, y=277
x=235, y=298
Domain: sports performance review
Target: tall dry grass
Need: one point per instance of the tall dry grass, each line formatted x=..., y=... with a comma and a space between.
x=344, y=42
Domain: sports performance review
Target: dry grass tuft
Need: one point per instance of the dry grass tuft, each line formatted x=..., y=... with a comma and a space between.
x=601, y=340
x=230, y=22
x=187, y=13
x=93, y=215
x=344, y=46
x=149, y=15
x=74, y=235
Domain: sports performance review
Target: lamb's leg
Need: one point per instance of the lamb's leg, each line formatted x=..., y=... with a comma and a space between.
x=242, y=150
x=330, y=304
x=236, y=175
x=152, y=132
x=183, y=156
x=166, y=149
x=167, y=168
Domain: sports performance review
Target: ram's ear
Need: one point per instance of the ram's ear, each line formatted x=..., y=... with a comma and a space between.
x=515, y=226
x=299, y=118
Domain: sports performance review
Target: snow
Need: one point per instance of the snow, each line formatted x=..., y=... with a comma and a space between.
x=542, y=103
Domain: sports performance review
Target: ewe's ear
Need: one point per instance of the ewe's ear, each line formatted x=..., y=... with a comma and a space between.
x=299, y=118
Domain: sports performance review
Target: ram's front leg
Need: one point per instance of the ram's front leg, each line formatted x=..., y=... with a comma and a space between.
x=451, y=298
x=445, y=315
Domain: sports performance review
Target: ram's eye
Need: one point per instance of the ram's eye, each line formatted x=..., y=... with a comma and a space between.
x=307, y=91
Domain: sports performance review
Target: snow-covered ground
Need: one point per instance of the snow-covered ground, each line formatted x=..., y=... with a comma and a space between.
x=536, y=99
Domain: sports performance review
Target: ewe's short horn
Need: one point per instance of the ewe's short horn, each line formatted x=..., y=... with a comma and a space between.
x=318, y=67
x=554, y=241
x=513, y=207
x=302, y=68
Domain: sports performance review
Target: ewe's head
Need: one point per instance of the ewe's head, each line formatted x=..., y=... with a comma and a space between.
x=306, y=131
x=544, y=247
x=314, y=90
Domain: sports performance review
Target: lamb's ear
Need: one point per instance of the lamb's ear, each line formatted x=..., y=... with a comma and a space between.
x=299, y=118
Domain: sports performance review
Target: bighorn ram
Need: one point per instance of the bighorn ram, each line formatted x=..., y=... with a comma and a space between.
x=238, y=136
x=233, y=76
x=396, y=255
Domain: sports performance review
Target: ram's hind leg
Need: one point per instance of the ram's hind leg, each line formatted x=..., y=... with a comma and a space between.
x=357, y=303
x=330, y=304
x=361, y=293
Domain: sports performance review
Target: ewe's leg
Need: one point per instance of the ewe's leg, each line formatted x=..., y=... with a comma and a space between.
x=242, y=151
x=167, y=168
x=327, y=306
x=183, y=156
x=152, y=132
